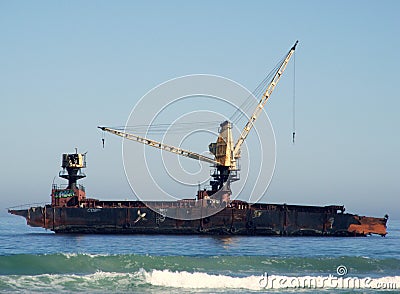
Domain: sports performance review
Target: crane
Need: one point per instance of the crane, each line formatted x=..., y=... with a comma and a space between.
x=228, y=154
x=225, y=152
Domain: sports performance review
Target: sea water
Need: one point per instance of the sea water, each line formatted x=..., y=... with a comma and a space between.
x=36, y=260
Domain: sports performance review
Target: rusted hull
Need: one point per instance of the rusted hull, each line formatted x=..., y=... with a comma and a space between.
x=257, y=219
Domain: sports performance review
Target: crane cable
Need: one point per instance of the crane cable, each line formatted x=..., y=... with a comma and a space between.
x=259, y=91
x=294, y=97
x=248, y=102
x=162, y=128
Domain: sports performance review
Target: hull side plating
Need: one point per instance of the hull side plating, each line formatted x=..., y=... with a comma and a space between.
x=257, y=219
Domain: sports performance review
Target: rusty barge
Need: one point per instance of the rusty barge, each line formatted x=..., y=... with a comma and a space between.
x=71, y=212
x=211, y=212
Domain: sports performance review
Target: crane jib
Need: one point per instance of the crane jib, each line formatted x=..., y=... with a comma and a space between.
x=160, y=145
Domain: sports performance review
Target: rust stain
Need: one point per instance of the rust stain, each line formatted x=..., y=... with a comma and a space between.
x=368, y=225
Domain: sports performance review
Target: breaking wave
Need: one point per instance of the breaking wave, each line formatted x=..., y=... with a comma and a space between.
x=182, y=281
x=206, y=281
x=176, y=274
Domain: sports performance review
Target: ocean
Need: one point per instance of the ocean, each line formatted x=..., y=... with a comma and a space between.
x=34, y=260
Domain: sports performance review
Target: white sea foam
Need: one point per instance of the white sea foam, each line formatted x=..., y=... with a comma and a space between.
x=69, y=255
x=112, y=281
x=199, y=280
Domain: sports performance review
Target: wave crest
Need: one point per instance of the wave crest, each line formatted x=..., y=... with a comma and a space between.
x=193, y=281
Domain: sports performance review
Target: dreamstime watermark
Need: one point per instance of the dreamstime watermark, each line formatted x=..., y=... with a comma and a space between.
x=341, y=270
x=327, y=282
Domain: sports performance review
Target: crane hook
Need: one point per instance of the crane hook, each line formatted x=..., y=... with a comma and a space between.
x=103, y=139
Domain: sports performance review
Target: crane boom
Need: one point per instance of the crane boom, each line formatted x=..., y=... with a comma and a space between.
x=160, y=145
x=261, y=104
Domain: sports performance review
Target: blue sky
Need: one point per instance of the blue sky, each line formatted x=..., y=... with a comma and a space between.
x=68, y=66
